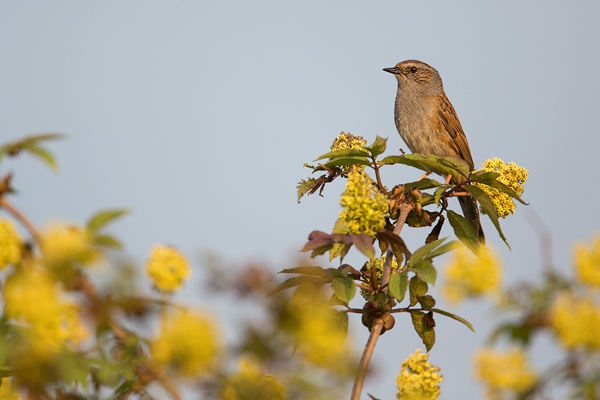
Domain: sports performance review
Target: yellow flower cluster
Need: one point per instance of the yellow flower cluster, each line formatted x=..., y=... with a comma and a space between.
x=167, y=268
x=576, y=321
x=348, y=141
x=251, y=384
x=10, y=243
x=418, y=380
x=65, y=247
x=587, y=262
x=188, y=343
x=379, y=263
x=364, y=207
x=468, y=274
x=512, y=176
x=321, y=341
x=34, y=299
x=504, y=372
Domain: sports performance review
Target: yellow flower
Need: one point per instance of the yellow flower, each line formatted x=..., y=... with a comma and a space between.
x=251, y=384
x=576, y=321
x=472, y=275
x=35, y=300
x=587, y=262
x=188, y=343
x=418, y=380
x=379, y=263
x=504, y=372
x=7, y=392
x=167, y=268
x=10, y=243
x=320, y=336
x=512, y=176
x=65, y=247
x=348, y=141
x=364, y=207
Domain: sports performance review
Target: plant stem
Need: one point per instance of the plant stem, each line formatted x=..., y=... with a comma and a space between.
x=363, y=365
x=19, y=216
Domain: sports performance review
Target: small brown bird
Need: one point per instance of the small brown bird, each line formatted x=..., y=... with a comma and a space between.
x=428, y=123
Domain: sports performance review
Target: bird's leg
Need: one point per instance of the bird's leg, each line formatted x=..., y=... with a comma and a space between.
x=424, y=176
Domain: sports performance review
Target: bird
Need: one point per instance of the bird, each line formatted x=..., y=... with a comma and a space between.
x=428, y=124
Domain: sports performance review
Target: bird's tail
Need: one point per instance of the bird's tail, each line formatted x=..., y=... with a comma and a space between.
x=471, y=213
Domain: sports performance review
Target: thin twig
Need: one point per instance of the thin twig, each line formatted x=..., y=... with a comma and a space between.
x=20, y=217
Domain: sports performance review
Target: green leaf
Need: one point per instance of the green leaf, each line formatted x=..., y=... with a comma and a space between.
x=486, y=204
x=426, y=301
x=108, y=241
x=305, y=270
x=422, y=323
x=5, y=372
x=378, y=147
x=424, y=184
x=364, y=244
x=505, y=189
x=43, y=154
x=339, y=248
x=398, y=285
x=340, y=320
x=344, y=153
x=438, y=194
x=425, y=271
x=484, y=176
x=423, y=251
x=444, y=249
x=344, y=289
x=30, y=142
x=305, y=186
x=102, y=218
x=299, y=280
x=464, y=230
x=454, y=316
x=344, y=161
x=416, y=287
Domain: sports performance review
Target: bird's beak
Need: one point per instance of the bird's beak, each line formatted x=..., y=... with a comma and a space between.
x=393, y=70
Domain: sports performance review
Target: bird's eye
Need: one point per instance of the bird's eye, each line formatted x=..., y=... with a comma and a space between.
x=413, y=69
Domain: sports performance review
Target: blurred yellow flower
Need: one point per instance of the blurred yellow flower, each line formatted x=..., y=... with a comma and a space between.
x=10, y=243
x=251, y=384
x=65, y=247
x=7, y=392
x=587, y=262
x=503, y=372
x=512, y=176
x=167, y=268
x=576, y=321
x=364, y=207
x=418, y=380
x=34, y=299
x=348, y=141
x=188, y=343
x=468, y=274
x=320, y=336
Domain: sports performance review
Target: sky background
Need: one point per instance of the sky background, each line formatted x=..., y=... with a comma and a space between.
x=200, y=115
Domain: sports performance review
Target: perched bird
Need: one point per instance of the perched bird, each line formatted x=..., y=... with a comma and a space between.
x=428, y=123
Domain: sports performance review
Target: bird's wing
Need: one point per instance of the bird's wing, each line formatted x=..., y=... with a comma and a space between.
x=451, y=124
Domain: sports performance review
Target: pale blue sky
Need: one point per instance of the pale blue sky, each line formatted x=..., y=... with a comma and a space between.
x=200, y=115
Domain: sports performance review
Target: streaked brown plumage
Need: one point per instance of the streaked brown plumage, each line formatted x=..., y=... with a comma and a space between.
x=427, y=121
